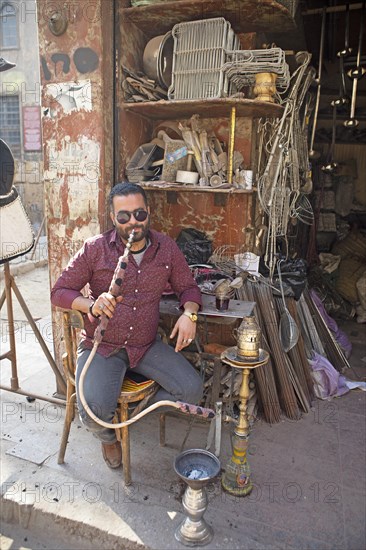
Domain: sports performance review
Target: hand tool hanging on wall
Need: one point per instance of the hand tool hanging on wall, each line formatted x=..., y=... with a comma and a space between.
x=116, y=290
x=314, y=154
x=356, y=73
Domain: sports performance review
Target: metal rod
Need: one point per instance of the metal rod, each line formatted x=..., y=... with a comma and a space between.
x=359, y=51
x=356, y=74
x=313, y=130
x=9, y=306
x=231, y=145
x=46, y=351
x=35, y=395
x=37, y=238
x=332, y=9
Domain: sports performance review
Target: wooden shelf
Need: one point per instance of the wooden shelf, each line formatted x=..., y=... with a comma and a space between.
x=209, y=108
x=160, y=186
x=248, y=16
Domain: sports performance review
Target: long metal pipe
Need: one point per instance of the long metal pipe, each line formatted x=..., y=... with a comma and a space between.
x=317, y=102
x=356, y=74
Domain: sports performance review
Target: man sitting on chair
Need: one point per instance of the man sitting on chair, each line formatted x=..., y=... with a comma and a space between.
x=130, y=340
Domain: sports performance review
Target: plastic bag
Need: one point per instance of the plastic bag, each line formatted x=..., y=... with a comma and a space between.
x=328, y=382
x=195, y=245
x=340, y=336
x=294, y=276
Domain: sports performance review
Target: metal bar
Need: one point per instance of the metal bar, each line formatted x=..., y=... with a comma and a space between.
x=216, y=381
x=231, y=145
x=332, y=9
x=35, y=395
x=60, y=380
x=317, y=102
x=37, y=238
x=2, y=299
x=218, y=421
x=9, y=306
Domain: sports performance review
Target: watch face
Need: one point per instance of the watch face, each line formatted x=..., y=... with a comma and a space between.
x=193, y=317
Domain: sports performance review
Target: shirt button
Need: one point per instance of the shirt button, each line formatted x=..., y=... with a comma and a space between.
x=167, y=266
x=131, y=328
x=139, y=271
x=134, y=309
x=126, y=342
x=136, y=290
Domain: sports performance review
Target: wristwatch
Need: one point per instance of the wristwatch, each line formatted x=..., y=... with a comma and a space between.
x=91, y=311
x=193, y=316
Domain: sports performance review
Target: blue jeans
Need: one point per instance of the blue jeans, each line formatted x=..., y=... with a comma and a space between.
x=178, y=379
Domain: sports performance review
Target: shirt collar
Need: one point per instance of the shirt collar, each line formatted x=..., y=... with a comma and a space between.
x=114, y=238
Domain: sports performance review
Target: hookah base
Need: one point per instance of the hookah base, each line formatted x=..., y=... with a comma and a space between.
x=194, y=533
x=234, y=487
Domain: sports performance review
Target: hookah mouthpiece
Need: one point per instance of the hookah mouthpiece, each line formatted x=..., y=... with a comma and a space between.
x=195, y=409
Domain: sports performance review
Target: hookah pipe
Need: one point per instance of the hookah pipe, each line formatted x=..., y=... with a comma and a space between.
x=115, y=289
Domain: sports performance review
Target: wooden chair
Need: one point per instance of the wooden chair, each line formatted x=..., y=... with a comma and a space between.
x=72, y=322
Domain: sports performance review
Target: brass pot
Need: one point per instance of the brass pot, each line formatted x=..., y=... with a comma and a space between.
x=265, y=86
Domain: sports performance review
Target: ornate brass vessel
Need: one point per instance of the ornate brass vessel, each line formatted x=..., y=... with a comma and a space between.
x=248, y=339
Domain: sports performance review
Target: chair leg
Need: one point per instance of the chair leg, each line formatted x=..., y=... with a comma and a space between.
x=162, y=429
x=125, y=441
x=69, y=416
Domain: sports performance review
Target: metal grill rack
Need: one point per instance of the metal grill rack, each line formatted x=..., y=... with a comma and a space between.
x=198, y=58
x=242, y=66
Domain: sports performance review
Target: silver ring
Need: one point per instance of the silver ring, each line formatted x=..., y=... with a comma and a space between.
x=189, y=340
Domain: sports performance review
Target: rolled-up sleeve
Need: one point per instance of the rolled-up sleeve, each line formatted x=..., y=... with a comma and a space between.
x=72, y=280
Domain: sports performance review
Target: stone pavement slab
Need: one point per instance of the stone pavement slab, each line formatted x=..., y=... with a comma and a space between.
x=309, y=475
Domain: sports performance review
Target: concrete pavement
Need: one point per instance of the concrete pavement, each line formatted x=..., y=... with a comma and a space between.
x=309, y=476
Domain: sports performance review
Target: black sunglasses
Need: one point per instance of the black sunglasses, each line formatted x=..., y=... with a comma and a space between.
x=124, y=216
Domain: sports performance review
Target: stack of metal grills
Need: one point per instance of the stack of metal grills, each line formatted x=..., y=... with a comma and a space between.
x=242, y=66
x=208, y=62
x=198, y=58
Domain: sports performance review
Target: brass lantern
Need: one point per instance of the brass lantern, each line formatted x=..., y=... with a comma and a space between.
x=248, y=339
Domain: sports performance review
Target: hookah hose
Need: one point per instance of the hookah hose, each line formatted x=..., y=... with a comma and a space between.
x=115, y=290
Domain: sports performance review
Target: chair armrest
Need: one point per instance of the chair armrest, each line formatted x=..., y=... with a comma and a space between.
x=74, y=318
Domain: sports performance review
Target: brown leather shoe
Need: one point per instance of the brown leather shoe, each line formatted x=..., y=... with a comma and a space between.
x=112, y=454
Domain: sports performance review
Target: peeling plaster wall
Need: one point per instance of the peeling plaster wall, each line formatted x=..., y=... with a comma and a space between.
x=76, y=73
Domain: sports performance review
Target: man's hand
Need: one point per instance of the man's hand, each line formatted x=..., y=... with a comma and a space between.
x=186, y=331
x=106, y=303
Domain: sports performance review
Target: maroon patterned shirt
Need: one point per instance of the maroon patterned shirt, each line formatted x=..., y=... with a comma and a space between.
x=135, y=321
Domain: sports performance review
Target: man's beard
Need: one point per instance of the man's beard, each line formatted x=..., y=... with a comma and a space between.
x=141, y=232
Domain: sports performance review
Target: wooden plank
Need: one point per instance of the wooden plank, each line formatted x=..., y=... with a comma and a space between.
x=220, y=107
x=165, y=186
x=248, y=16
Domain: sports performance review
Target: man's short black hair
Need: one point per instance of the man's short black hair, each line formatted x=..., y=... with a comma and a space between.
x=126, y=188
